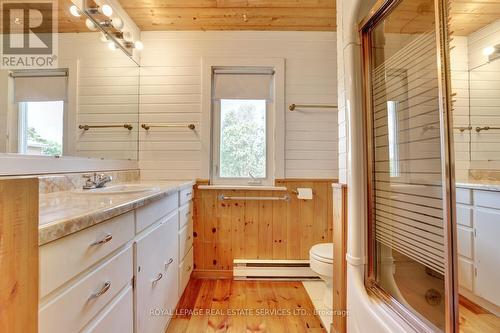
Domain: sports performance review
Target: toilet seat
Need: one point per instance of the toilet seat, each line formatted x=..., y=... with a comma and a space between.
x=322, y=252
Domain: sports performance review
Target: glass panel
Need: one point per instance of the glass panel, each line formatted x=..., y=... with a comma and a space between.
x=42, y=130
x=243, y=138
x=407, y=206
x=100, y=89
x=475, y=83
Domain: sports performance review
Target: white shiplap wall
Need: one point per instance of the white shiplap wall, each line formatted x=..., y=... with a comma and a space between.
x=170, y=91
x=460, y=87
x=484, y=98
x=107, y=93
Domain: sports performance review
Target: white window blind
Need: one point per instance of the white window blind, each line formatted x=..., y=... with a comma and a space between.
x=244, y=83
x=40, y=87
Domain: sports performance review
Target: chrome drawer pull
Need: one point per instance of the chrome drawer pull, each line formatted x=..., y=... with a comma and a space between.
x=102, y=241
x=188, y=213
x=170, y=261
x=188, y=194
x=103, y=290
x=160, y=275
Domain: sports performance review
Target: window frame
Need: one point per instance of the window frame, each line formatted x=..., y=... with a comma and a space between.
x=275, y=143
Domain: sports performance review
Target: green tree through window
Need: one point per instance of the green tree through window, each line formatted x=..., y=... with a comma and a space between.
x=243, y=139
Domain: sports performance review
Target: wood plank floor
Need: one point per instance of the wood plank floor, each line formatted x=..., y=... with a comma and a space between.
x=474, y=319
x=246, y=307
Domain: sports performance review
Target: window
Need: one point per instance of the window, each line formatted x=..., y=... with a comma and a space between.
x=242, y=139
x=243, y=133
x=393, y=137
x=41, y=128
x=40, y=96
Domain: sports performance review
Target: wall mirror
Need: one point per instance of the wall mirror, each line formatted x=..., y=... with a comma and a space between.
x=475, y=59
x=86, y=107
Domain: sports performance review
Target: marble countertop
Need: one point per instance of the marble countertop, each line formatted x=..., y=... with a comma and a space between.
x=64, y=213
x=478, y=185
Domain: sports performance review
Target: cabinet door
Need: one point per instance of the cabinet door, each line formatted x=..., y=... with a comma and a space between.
x=156, y=259
x=487, y=223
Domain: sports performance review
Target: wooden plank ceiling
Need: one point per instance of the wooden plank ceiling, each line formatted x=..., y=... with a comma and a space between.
x=467, y=16
x=317, y=15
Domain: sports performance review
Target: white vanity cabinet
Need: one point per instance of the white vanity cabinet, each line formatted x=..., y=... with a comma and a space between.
x=120, y=275
x=478, y=246
x=185, y=236
x=156, y=275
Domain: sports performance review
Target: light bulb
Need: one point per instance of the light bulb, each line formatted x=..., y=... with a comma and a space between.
x=127, y=36
x=107, y=10
x=117, y=23
x=90, y=25
x=111, y=46
x=487, y=51
x=74, y=11
x=103, y=37
x=138, y=45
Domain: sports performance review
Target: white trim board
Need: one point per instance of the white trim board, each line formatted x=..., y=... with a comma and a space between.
x=15, y=165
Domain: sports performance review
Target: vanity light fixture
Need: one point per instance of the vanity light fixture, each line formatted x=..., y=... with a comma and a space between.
x=112, y=46
x=138, y=45
x=75, y=11
x=111, y=27
x=117, y=22
x=90, y=25
x=106, y=10
x=487, y=51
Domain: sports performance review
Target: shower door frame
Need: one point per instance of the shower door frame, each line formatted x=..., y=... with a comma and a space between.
x=378, y=12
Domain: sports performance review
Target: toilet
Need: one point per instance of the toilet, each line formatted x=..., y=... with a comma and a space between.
x=321, y=262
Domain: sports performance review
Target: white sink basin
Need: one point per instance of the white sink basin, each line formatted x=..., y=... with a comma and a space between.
x=119, y=189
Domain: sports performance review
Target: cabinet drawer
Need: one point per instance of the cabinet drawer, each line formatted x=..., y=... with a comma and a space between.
x=185, y=270
x=156, y=271
x=487, y=199
x=149, y=214
x=76, y=306
x=464, y=216
x=464, y=196
x=185, y=214
x=465, y=273
x=185, y=195
x=64, y=258
x=465, y=239
x=117, y=317
x=185, y=240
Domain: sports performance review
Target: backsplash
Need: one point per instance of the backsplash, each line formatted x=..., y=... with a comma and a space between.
x=71, y=181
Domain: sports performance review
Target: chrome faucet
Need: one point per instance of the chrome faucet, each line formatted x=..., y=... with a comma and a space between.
x=96, y=180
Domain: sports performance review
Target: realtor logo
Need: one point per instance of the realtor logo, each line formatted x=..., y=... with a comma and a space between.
x=29, y=34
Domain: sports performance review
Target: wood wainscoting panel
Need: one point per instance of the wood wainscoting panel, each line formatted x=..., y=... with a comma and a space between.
x=19, y=255
x=245, y=229
x=339, y=262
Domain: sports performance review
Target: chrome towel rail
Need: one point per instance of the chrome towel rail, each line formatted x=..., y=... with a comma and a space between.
x=292, y=107
x=464, y=128
x=222, y=197
x=87, y=127
x=147, y=127
x=486, y=128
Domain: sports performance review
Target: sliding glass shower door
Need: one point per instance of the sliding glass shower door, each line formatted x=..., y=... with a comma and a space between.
x=410, y=215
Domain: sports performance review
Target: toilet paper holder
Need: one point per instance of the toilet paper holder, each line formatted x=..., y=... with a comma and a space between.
x=297, y=192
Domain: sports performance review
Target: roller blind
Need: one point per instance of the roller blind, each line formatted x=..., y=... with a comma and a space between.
x=243, y=83
x=408, y=204
x=40, y=87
